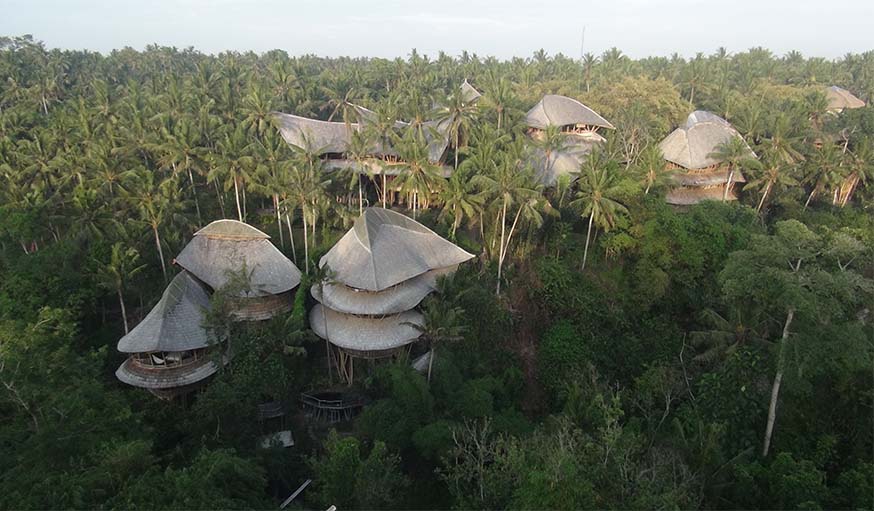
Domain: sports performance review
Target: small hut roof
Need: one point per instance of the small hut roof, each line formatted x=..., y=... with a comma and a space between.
x=165, y=378
x=468, y=93
x=683, y=196
x=385, y=248
x=555, y=110
x=313, y=134
x=714, y=177
x=365, y=333
x=393, y=300
x=225, y=246
x=691, y=145
x=174, y=324
x=839, y=99
x=560, y=163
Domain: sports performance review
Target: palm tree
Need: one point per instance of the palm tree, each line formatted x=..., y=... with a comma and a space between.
x=156, y=202
x=651, y=164
x=589, y=62
x=233, y=165
x=509, y=186
x=116, y=273
x=861, y=164
x=780, y=155
x=726, y=333
x=419, y=176
x=360, y=150
x=456, y=117
x=552, y=142
x=824, y=170
x=597, y=195
x=460, y=200
x=735, y=154
x=442, y=322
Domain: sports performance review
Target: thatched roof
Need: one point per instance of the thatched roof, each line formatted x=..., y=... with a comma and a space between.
x=468, y=93
x=130, y=373
x=687, y=196
x=840, y=99
x=325, y=137
x=393, y=300
x=174, y=324
x=225, y=246
x=555, y=110
x=691, y=145
x=714, y=177
x=561, y=163
x=363, y=333
x=385, y=248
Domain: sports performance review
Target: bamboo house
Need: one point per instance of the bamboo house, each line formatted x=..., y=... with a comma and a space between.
x=689, y=150
x=226, y=247
x=378, y=273
x=841, y=99
x=581, y=127
x=170, y=351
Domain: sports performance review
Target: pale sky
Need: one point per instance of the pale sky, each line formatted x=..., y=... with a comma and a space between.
x=503, y=28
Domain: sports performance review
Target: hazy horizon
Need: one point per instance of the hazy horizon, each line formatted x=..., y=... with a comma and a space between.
x=393, y=28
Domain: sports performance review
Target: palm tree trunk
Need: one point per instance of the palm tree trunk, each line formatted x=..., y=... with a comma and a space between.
x=431, y=360
x=123, y=310
x=384, y=189
x=194, y=193
x=728, y=184
x=588, y=237
x=360, y=197
x=160, y=250
x=237, y=197
x=290, y=237
x=221, y=199
x=501, y=247
x=278, y=220
x=812, y=193
x=764, y=196
x=775, y=388
x=306, y=249
x=456, y=149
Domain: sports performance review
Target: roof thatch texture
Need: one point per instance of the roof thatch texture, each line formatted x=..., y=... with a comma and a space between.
x=715, y=177
x=691, y=145
x=555, y=110
x=132, y=374
x=325, y=137
x=468, y=93
x=385, y=248
x=560, y=163
x=226, y=246
x=840, y=99
x=394, y=300
x=687, y=196
x=362, y=333
x=174, y=324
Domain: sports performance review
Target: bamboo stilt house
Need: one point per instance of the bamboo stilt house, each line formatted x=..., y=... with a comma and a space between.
x=579, y=124
x=841, y=99
x=688, y=152
x=379, y=272
x=170, y=351
x=227, y=246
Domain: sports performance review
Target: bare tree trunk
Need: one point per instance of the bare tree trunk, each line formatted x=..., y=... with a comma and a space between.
x=588, y=237
x=775, y=388
x=123, y=310
x=237, y=197
x=160, y=251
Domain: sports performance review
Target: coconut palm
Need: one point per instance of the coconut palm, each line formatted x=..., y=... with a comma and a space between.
x=442, y=321
x=233, y=165
x=419, y=176
x=735, y=155
x=456, y=117
x=460, y=200
x=118, y=271
x=597, y=195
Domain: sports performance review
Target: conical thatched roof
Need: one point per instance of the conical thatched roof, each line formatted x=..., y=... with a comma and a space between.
x=226, y=246
x=840, y=99
x=468, y=93
x=690, y=145
x=365, y=333
x=555, y=110
x=393, y=300
x=174, y=324
x=385, y=248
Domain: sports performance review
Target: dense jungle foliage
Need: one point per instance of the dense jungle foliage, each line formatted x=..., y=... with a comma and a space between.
x=641, y=378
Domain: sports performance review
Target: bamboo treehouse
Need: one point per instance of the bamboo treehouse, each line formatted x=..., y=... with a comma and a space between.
x=580, y=127
x=377, y=274
x=689, y=153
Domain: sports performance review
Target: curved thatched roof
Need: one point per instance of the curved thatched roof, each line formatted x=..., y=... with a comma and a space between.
x=393, y=300
x=174, y=324
x=468, y=93
x=555, y=110
x=385, y=248
x=128, y=373
x=560, y=163
x=691, y=145
x=225, y=246
x=840, y=99
x=365, y=333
